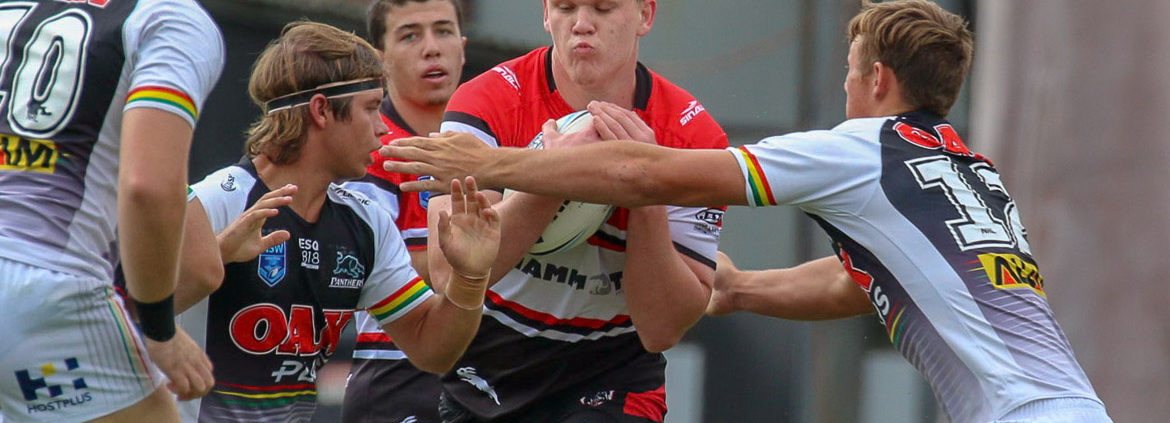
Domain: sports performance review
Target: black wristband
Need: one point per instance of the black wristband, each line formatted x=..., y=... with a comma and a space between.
x=157, y=320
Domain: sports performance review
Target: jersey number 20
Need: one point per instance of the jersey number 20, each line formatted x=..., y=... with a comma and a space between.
x=47, y=80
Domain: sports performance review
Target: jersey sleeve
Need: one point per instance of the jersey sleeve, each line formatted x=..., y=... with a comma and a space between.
x=404, y=207
x=683, y=122
x=223, y=205
x=479, y=105
x=178, y=54
x=818, y=170
x=393, y=288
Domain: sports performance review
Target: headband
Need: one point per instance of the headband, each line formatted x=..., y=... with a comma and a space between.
x=330, y=90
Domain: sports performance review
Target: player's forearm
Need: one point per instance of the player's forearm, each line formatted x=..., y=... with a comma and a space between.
x=152, y=198
x=200, y=266
x=624, y=178
x=523, y=218
x=150, y=229
x=664, y=295
x=816, y=290
x=446, y=329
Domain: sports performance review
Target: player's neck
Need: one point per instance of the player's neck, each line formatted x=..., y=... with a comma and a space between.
x=617, y=88
x=312, y=184
x=422, y=118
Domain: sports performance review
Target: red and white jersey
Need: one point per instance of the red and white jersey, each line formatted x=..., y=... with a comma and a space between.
x=410, y=216
x=559, y=321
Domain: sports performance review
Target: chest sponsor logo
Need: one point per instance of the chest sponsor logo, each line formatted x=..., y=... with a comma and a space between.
x=28, y=155
x=229, y=183
x=265, y=329
x=302, y=372
x=595, y=284
x=348, y=272
x=271, y=266
x=467, y=374
x=51, y=386
x=693, y=109
x=310, y=253
x=1009, y=271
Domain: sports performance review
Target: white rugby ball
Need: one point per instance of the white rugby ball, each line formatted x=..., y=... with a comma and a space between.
x=575, y=221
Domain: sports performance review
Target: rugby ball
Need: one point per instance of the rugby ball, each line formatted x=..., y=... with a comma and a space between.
x=575, y=221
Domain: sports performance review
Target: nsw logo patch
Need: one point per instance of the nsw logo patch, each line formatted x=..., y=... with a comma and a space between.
x=272, y=265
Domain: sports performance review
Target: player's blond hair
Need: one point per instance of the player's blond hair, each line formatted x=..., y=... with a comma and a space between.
x=307, y=55
x=928, y=48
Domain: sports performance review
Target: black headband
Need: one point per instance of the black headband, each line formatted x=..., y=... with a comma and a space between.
x=331, y=90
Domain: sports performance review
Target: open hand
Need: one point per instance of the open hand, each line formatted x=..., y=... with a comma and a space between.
x=242, y=240
x=445, y=156
x=184, y=363
x=470, y=235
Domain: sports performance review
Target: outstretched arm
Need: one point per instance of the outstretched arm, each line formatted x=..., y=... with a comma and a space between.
x=816, y=290
x=435, y=334
x=623, y=173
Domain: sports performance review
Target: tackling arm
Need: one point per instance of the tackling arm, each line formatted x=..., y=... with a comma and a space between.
x=816, y=290
x=623, y=173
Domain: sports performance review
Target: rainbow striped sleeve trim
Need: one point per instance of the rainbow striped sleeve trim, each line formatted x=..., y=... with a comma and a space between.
x=759, y=191
x=402, y=301
x=170, y=98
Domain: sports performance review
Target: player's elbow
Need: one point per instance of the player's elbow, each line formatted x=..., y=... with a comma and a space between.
x=145, y=191
x=434, y=364
x=659, y=341
x=208, y=279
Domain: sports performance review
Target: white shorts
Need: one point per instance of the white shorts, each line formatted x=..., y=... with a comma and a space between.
x=1059, y=410
x=68, y=351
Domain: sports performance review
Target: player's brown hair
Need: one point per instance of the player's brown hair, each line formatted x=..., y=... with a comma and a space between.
x=928, y=48
x=376, y=18
x=307, y=55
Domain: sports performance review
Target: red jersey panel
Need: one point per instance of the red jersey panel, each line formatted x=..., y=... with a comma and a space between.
x=559, y=322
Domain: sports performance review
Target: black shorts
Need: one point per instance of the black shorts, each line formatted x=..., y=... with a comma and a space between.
x=390, y=391
x=597, y=405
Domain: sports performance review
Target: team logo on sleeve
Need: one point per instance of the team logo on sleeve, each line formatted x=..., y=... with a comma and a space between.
x=271, y=266
x=348, y=272
x=228, y=184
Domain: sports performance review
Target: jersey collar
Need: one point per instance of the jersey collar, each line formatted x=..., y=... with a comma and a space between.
x=643, y=83
x=387, y=109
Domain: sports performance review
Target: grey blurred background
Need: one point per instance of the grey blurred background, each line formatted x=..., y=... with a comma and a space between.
x=1070, y=98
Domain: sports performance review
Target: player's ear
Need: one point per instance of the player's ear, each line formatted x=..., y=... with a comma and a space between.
x=648, y=9
x=544, y=7
x=884, y=81
x=319, y=111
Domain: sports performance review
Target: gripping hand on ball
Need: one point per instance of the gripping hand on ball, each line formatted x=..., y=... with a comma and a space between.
x=616, y=123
